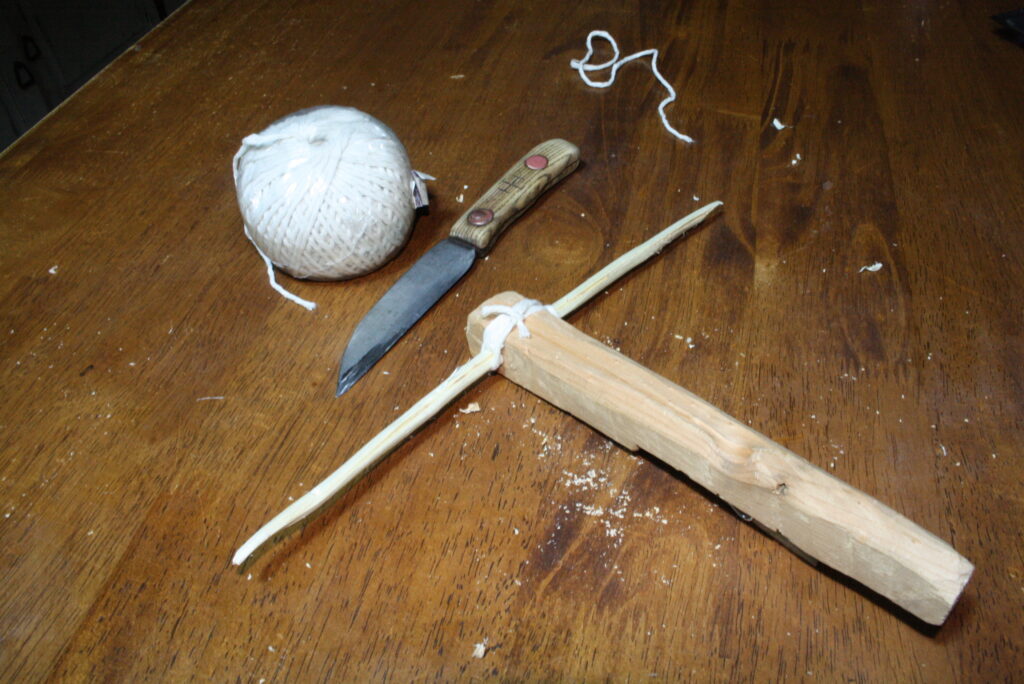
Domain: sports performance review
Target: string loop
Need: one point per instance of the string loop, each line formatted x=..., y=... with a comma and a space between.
x=508, y=317
x=582, y=66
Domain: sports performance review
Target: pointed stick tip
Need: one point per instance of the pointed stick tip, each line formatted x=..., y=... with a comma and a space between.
x=251, y=544
x=240, y=556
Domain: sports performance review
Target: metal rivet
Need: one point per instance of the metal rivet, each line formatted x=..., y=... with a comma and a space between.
x=537, y=162
x=480, y=217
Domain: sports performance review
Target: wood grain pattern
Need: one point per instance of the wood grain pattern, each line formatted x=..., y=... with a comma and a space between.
x=160, y=401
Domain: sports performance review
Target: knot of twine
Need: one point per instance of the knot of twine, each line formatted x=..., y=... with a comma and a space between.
x=508, y=317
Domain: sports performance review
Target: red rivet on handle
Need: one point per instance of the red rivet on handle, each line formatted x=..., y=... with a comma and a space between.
x=537, y=162
x=480, y=217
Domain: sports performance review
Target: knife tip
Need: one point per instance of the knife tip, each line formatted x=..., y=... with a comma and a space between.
x=347, y=377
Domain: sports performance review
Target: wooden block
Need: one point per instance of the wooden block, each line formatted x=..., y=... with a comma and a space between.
x=819, y=514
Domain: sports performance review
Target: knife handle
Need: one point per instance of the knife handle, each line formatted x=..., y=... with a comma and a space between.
x=518, y=189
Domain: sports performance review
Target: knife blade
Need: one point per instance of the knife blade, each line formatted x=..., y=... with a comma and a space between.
x=445, y=263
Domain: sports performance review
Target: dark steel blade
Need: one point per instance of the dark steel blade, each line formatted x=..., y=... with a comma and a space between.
x=403, y=305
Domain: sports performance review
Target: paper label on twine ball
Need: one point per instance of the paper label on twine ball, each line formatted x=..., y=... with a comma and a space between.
x=327, y=193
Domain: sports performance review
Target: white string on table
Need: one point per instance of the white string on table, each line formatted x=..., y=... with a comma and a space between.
x=582, y=66
x=290, y=296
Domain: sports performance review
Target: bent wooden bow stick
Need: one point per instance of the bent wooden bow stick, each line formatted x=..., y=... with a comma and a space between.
x=818, y=514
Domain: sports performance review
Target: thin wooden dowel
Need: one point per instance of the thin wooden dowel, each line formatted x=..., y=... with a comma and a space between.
x=461, y=379
x=598, y=282
x=372, y=452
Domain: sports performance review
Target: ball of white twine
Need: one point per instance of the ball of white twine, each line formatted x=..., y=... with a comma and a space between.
x=326, y=193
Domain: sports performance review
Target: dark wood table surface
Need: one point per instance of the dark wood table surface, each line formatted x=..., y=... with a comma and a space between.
x=160, y=402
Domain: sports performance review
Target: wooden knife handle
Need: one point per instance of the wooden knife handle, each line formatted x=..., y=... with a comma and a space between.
x=518, y=189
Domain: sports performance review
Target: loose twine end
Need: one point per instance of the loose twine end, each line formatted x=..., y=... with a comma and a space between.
x=582, y=66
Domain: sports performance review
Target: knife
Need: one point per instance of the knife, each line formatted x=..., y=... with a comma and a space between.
x=446, y=262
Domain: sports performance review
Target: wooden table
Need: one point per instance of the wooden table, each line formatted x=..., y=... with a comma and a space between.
x=160, y=401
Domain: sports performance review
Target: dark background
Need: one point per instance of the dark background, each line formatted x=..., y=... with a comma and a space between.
x=49, y=48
